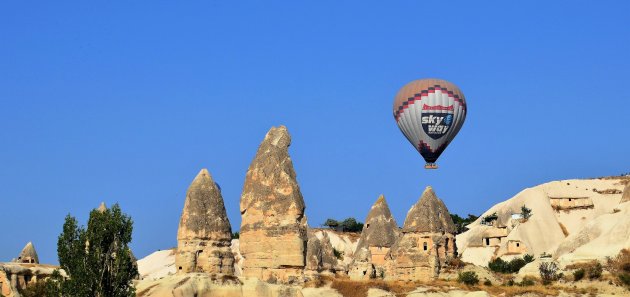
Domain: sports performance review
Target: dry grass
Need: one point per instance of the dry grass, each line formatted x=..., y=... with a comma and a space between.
x=350, y=288
x=583, y=265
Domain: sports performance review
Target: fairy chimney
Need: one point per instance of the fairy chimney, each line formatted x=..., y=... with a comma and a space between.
x=204, y=234
x=273, y=234
x=379, y=233
x=28, y=255
x=426, y=243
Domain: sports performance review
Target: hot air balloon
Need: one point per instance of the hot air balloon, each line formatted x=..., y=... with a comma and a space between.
x=430, y=112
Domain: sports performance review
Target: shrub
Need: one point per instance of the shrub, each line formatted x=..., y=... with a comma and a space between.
x=548, y=272
x=595, y=271
x=526, y=282
x=528, y=258
x=619, y=267
x=578, y=274
x=499, y=265
x=487, y=283
x=338, y=254
x=468, y=277
x=526, y=212
x=236, y=235
x=516, y=264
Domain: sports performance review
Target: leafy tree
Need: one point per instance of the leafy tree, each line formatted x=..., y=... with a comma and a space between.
x=236, y=235
x=490, y=218
x=97, y=259
x=461, y=223
x=331, y=223
x=351, y=225
x=526, y=212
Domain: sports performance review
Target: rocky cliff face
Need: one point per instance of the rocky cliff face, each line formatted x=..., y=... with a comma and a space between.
x=581, y=220
x=273, y=229
x=204, y=235
x=379, y=233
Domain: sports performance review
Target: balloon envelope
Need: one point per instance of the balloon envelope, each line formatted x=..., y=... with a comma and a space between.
x=430, y=112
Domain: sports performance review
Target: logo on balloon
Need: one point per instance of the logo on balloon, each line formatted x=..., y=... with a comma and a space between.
x=436, y=124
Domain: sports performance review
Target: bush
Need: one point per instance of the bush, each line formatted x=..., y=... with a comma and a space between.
x=516, y=264
x=526, y=212
x=468, y=277
x=337, y=253
x=595, y=271
x=619, y=267
x=487, y=283
x=526, y=282
x=501, y=266
x=528, y=258
x=498, y=265
x=578, y=274
x=236, y=235
x=548, y=272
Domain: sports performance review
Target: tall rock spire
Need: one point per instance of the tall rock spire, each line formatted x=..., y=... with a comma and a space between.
x=28, y=255
x=273, y=227
x=379, y=233
x=204, y=234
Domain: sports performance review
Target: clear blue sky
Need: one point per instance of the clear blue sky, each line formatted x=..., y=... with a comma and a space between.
x=125, y=102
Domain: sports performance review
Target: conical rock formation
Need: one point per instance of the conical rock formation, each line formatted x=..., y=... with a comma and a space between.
x=429, y=215
x=204, y=234
x=273, y=228
x=427, y=241
x=28, y=255
x=379, y=233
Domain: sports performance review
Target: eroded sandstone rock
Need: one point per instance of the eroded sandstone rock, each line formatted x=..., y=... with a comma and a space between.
x=273, y=234
x=28, y=255
x=379, y=233
x=626, y=194
x=204, y=235
x=426, y=243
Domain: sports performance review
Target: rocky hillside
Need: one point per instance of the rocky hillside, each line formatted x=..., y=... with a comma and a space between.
x=571, y=220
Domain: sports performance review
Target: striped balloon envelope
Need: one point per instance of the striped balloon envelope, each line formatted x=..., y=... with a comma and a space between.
x=430, y=112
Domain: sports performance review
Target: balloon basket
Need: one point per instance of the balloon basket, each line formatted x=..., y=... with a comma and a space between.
x=430, y=166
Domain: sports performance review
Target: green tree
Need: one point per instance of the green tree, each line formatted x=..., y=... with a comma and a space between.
x=97, y=259
x=331, y=223
x=461, y=223
x=351, y=225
